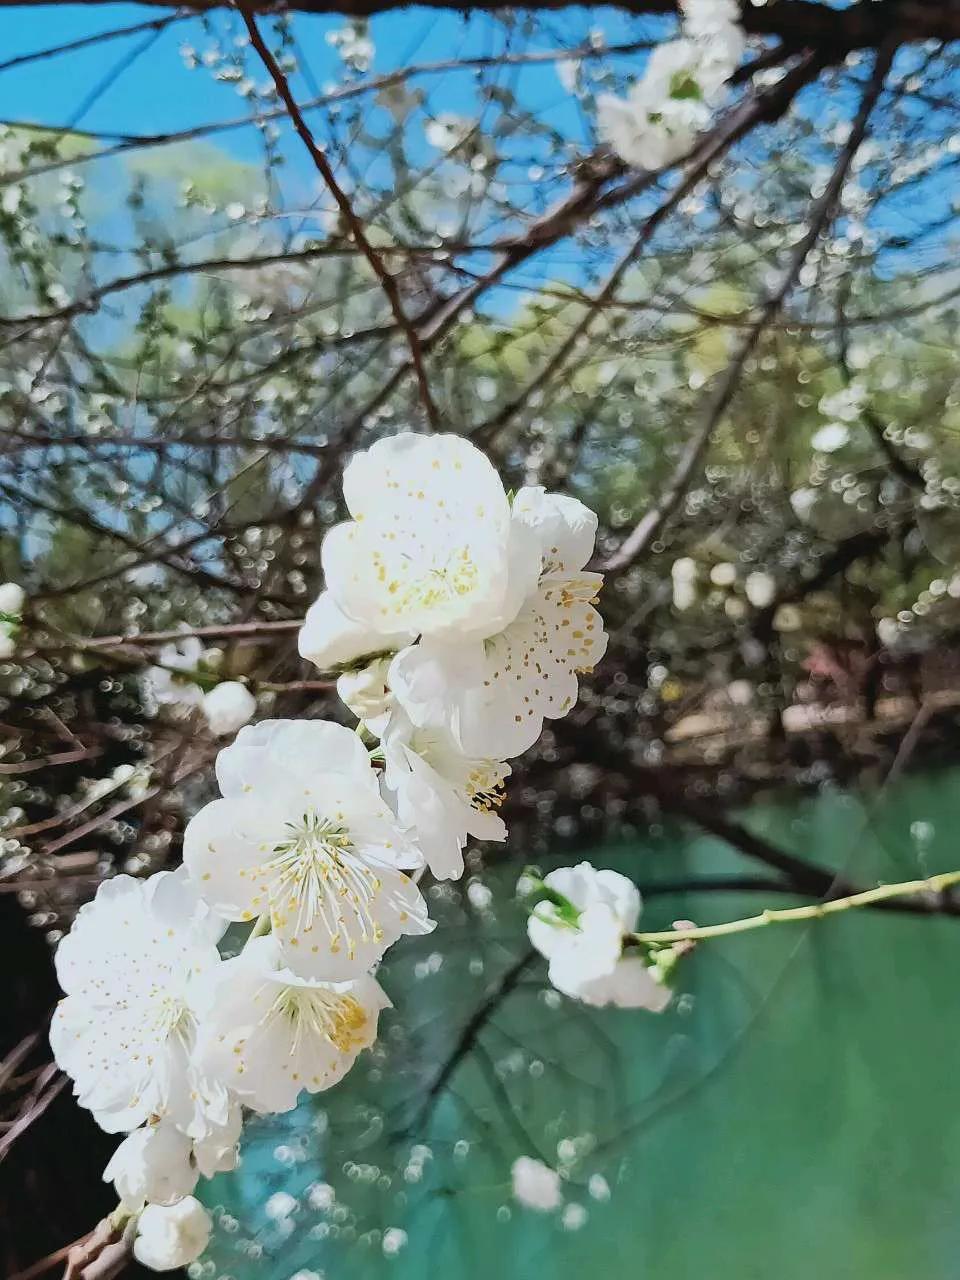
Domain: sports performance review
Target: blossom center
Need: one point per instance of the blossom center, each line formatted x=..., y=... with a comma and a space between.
x=316, y=1013
x=317, y=874
x=445, y=581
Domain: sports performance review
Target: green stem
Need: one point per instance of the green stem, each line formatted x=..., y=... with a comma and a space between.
x=905, y=889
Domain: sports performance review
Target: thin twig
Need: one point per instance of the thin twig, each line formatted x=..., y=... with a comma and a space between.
x=726, y=387
x=325, y=170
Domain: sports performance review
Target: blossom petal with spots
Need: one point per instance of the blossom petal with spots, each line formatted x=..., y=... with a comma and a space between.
x=273, y=1034
x=132, y=968
x=494, y=694
x=303, y=835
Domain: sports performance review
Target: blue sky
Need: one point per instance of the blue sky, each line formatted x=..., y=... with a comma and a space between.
x=157, y=93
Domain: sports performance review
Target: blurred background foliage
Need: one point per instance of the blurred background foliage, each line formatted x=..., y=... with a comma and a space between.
x=190, y=348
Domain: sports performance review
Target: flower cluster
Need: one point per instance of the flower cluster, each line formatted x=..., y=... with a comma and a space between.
x=683, y=82
x=461, y=620
x=458, y=620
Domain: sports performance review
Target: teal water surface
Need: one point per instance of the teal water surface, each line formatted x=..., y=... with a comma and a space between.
x=791, y=1116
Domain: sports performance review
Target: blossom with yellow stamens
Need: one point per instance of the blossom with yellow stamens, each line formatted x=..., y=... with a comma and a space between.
x=303, y=836
x=272, y=1033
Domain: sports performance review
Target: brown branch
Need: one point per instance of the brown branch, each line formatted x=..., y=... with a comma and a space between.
x=229, y=631
x=325, y=170
x=798, y=23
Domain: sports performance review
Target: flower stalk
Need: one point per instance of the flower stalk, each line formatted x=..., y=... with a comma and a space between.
x=813, y=911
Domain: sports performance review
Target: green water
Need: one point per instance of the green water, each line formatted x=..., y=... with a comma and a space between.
x=793, y=1115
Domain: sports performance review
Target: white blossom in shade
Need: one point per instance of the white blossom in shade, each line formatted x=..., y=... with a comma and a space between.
x=760, y=588
x=171, y=1236
x=494, y=694
x=394, y=1239
x=152, y=1163
x=803, y=501
x=228, y=707
x=585, y=956
x=302, y=834
x=846, y=404
x=683, y=573
x=536, y=1185
x=367, y=694
x=426, y=548
x=329, y=639
x=132, y=968
x=11, y=607
x=171, y=682
x=12, y=597
x=831, y=437
x=271, y=1034
x=440, y=795
x=633, y=984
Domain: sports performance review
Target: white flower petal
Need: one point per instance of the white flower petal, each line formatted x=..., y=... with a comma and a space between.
x=329, y=639
x=171, y=1236
x=426, y=547
x=283, y=753
x=152, y=1164
x=272, y=1034
x=228, y=707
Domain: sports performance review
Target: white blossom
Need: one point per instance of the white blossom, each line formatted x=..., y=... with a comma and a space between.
x=760, y=588
x=440, y=795
x=329, y=639
x=846, y=404
x=831, y=437
x=448, y=131
x=152, y=1163
x=271, y=1034
x=683, y=575
x=536, y=1185
x=426, y=548
x=367, y=694
x=132, y=968
x=228, y=707
x=585, y=955
x=302, y=834
x=12, y=597
x=494, y=694
x=170, y=1236
x=705, y=19
x=682, y=83
x=171, y=682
